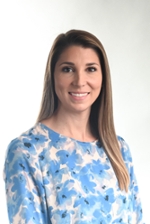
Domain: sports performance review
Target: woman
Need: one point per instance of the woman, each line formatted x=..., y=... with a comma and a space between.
x=71, y=168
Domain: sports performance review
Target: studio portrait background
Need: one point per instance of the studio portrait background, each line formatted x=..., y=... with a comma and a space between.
x=28, y=28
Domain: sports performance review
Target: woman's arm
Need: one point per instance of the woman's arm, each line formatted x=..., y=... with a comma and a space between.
x=25, y=194
x=135, y=205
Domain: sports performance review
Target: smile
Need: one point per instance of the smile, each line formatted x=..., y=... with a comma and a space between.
x=78, y=94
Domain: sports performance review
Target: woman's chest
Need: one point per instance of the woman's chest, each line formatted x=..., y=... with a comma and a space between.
x=82, y=188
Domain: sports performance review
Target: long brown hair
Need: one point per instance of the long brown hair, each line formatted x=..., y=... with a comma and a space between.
x=101, y=116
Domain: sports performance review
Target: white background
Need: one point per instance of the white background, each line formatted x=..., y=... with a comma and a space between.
x=27, y=30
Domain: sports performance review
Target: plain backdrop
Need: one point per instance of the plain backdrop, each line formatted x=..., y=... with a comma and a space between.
x=27, y=30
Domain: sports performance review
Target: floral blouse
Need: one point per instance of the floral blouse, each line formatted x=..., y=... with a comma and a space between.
x=54, y=179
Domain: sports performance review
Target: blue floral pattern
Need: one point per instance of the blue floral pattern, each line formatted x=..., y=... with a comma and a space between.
x=53, y=179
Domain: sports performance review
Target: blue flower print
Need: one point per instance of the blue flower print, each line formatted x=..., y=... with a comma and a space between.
x=70, y=159
x=54, y=179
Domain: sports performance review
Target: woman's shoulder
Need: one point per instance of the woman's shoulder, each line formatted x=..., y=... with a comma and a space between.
x=125, y=149
x=29, y=139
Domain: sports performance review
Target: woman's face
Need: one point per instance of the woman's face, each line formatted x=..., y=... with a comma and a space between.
x=78, y=79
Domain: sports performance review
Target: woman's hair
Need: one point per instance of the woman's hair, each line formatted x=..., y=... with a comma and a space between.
x=101, y=116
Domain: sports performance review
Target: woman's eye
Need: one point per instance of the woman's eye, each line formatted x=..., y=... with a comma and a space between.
x=91, y=69
x=67, y=69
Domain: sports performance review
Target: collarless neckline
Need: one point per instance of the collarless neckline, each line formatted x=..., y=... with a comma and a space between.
x=64, y=136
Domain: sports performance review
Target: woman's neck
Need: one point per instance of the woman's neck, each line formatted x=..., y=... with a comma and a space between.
x=75, y=126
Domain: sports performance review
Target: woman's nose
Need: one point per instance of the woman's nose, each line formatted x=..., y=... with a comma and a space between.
x=79, y=79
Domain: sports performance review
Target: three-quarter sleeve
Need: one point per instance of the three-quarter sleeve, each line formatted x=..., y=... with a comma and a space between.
x=25, y=194
x=135, y=204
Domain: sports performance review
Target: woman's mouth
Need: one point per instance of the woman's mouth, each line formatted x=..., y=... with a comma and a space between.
x=79, y=94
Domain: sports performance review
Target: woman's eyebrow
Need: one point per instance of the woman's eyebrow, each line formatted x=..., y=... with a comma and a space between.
x=92, y=63
x=66, y=62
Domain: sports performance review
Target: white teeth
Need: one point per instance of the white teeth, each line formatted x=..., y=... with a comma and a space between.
x=79, y=94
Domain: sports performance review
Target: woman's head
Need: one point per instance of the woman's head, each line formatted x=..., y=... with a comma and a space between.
x=61, y=43
x=78, y=80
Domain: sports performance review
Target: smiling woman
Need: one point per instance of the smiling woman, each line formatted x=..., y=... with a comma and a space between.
x=78, y=80
x=71, y=167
